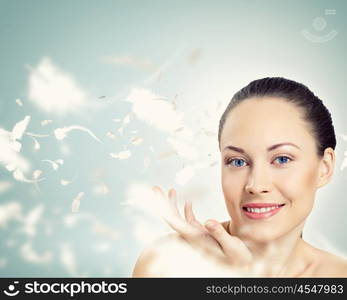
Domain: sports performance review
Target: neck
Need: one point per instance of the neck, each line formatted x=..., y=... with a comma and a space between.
x=284, y=256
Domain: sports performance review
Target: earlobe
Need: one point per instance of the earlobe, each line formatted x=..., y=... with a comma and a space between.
x=326, y=168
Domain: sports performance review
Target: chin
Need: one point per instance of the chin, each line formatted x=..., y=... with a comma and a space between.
x=259, y=234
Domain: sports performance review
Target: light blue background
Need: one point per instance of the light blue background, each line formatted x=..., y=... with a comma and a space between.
x=236, y=42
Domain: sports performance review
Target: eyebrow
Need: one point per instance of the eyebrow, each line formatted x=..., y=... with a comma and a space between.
x=273, y=147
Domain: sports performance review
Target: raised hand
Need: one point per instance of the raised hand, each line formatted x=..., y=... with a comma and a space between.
x=212, y=239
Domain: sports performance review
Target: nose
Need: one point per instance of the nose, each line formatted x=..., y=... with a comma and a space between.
x=258, y=182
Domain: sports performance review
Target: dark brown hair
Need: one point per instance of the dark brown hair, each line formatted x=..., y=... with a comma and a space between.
x=314, y=111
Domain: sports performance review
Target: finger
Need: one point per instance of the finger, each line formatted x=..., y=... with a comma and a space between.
x=156, y=188
x=172, y=216
x=167, y=207
x=196, y=235
x=190, y=217
x=234, y=249
x=172, y=193
x=188, y=212
x=186, y=230
x=173, y=201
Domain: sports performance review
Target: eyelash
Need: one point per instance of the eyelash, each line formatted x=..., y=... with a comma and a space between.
x=228, y=161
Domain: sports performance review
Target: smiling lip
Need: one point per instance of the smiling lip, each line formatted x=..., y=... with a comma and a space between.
x=257, y=211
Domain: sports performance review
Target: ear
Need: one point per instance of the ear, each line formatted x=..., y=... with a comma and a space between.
x=326, y=167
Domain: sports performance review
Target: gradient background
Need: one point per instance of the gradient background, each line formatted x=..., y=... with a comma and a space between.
x=106, y=66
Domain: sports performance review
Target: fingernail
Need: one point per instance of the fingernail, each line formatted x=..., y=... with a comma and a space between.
x=173, y=193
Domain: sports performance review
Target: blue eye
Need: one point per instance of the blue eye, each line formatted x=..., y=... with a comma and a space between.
x=283, y=159
x=238, y=162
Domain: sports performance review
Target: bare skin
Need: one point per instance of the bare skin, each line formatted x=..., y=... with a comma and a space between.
x=158, y=261
x=270, y=247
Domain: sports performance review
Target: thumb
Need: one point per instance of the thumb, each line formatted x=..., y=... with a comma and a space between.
x=234, y=249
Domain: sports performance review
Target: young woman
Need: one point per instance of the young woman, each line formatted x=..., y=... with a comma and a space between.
x=277, y=143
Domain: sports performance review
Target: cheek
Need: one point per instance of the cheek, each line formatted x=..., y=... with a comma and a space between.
x=298, y=186
x=232, y=186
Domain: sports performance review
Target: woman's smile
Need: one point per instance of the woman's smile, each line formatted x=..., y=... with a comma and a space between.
x=259, y=211
x=268, y=162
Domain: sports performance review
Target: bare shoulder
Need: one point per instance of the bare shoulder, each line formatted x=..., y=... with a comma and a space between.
x=331, y=265
x=158, y=259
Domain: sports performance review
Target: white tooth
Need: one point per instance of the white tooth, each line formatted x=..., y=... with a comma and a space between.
x=261, y=210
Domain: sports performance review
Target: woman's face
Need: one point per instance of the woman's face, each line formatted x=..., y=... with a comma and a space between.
x=269, y=188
